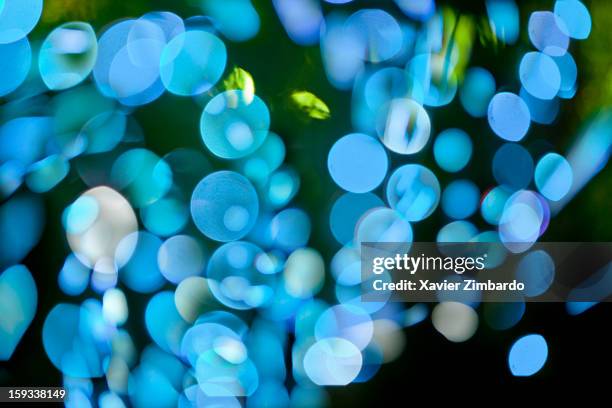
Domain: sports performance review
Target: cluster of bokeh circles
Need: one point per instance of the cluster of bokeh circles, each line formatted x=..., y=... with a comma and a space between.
x=400, y=73
x=221, y=255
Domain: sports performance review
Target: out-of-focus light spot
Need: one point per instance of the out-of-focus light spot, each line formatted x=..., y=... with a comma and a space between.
x=238, y=277
x=460, y=199
x=137, y=254
x=224, y=16
x=382, y=225
x=164, y=323
x=541, y=110
x=493, y=203
x=302, y=19
x=290, y=229
x=304, y=273
x=548, y=33
x=378, y=33
x=180, y=257
x=18, y=300
x=457, y=231
x=540, y=75
x=114, y=307
x=332, y=361
x=341, y=51
x=22, y=219
x=76, y=339
x=521, y=222
x=310, y=104
x=259, y=165
x=569, y=72
x=415, y=315
x=109, y=399
x=67, y=56
x=234, y=125
x=15, y=62
x=537, y=271
x=420, y=10
x=404, y=126
x=142, y=176
x=509, y=116
x=18, y=18
x=224, y=206
x=149, y=387
x=282, y=186
x=95, y=224
x=24, y=139
x=389, y=338
x=553, y=176
x=11, y=177
x=127, y=67
x=512, y=166
x=192, y=298
x=73, y=277
x=166, y=216
x=304, y=397
x=357, y=163
x=103, y=131
x=45, y=174
x=192, y=63
x=455, y=321
x=576, y=18
x=347, y=210
x=476, y=91
x=504, y=19
x=452, y=150
x=414, y=191
x=346, y=321
x=528, y=355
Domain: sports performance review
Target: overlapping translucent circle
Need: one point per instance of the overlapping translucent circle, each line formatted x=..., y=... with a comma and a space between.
x=537, y=271
x=67, y=56
x=192, y=62
x=548, y=33
x=347, y=210
x=139, y=267
x=414, y=191
x=382, y=224
x=404, y=126
x=241, y=276
x=14, y=64
x=180, y=257
x=523, y=219
x=332, y=361
x=553, y=176
x=234, y=124
x=540, y=75
x=357, y=163
x=142, y=176
x=224, y=206
x=576, y=18
x=18, y=18
x=509, y=116
x=97, y=222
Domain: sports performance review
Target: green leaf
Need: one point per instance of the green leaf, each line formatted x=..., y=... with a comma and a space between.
x=310, y=104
